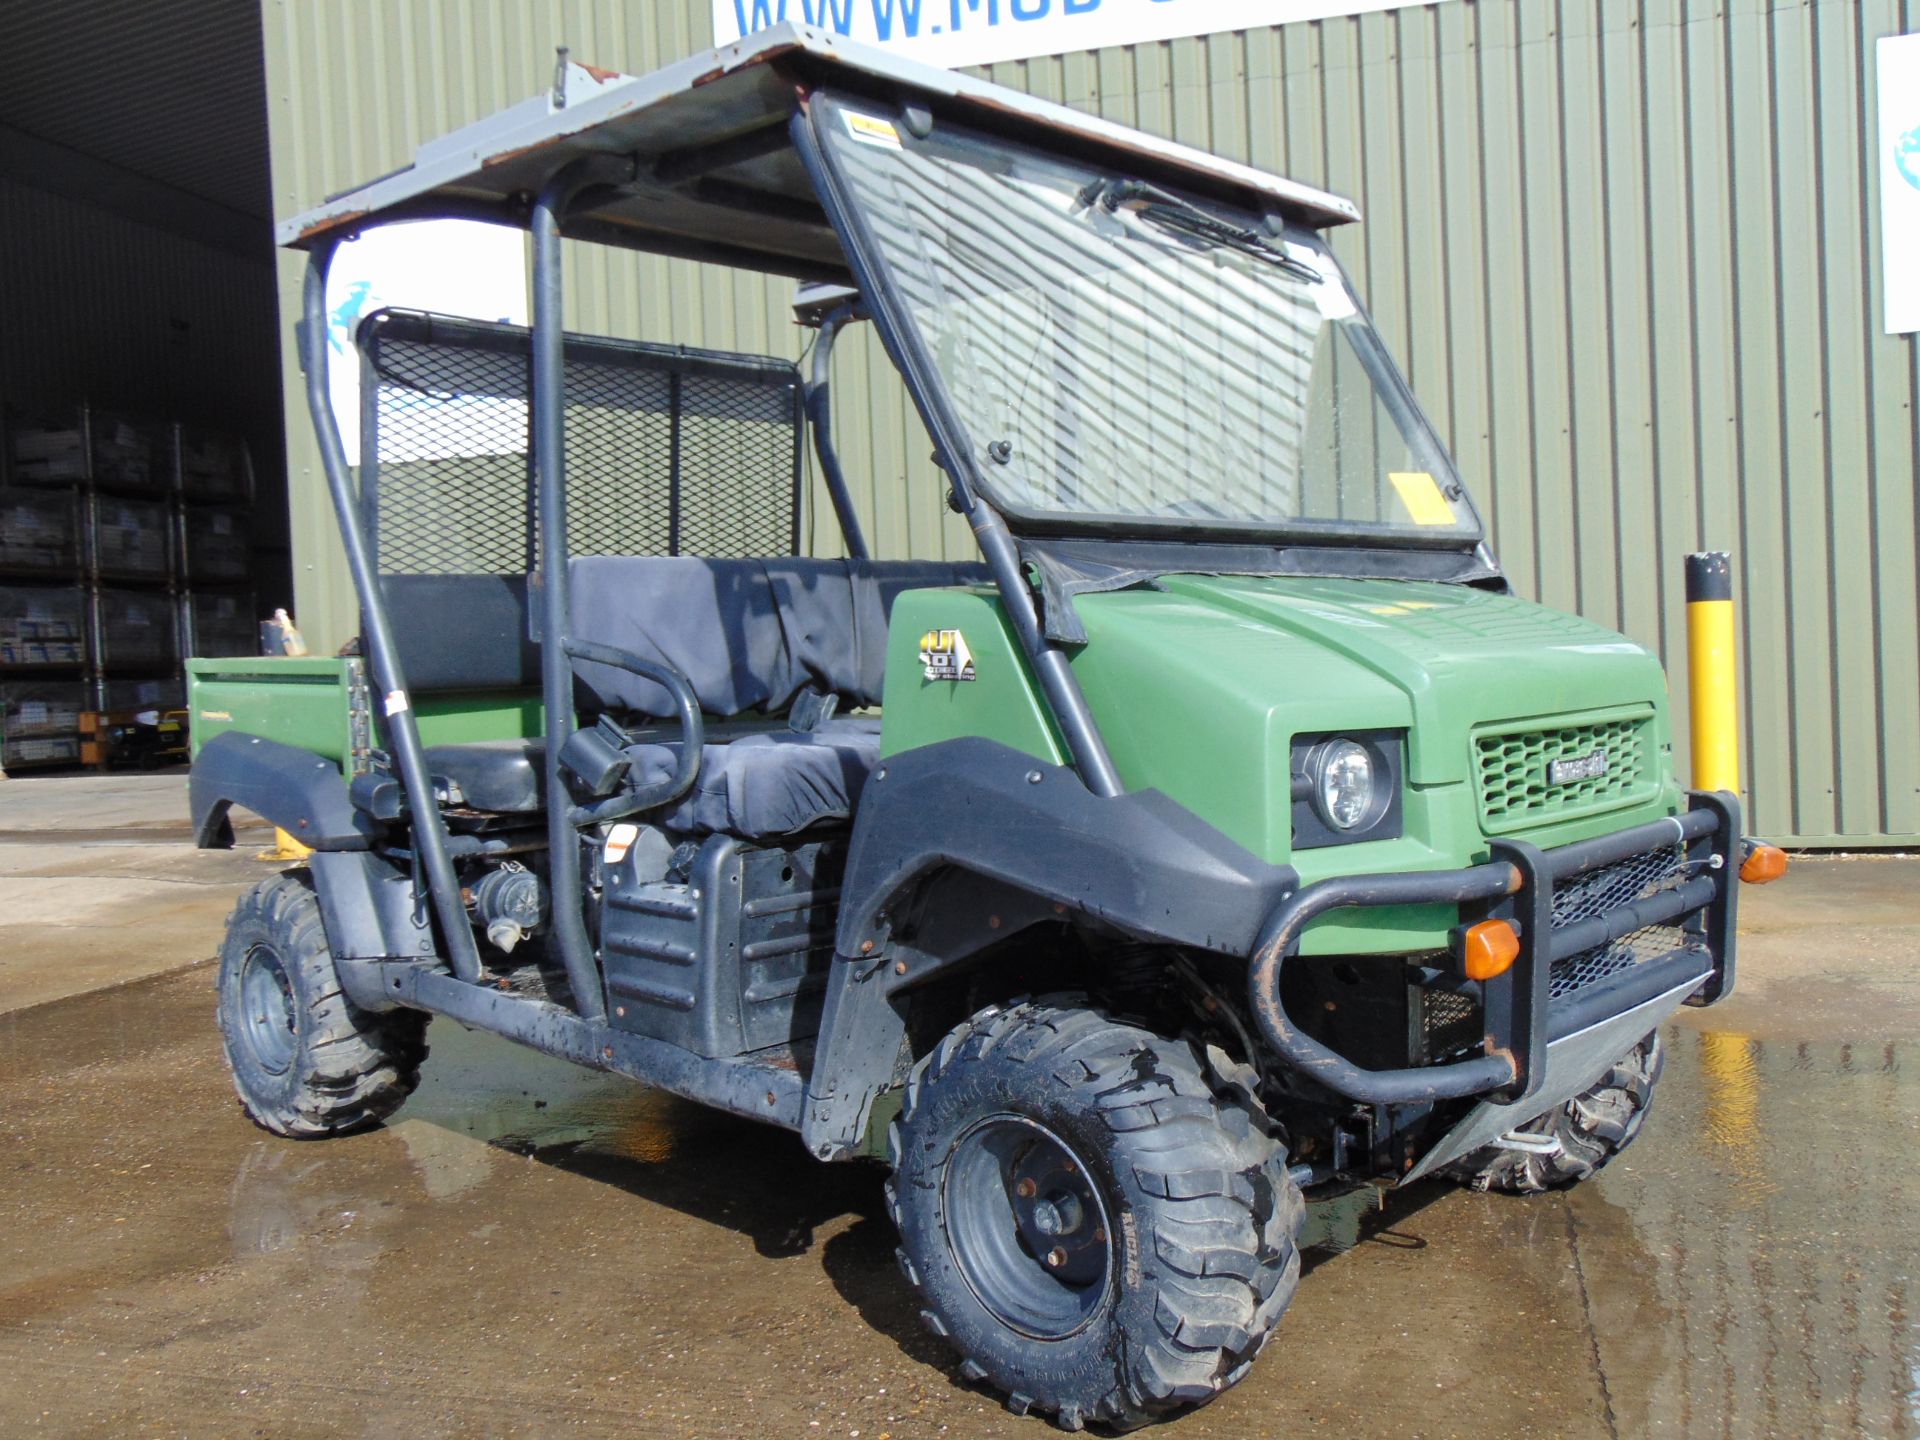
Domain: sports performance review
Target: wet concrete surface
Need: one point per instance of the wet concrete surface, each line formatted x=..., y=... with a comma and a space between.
x=529, y=1249
x=99, y=883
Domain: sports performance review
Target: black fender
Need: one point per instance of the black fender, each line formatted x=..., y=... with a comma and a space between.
x=372, y=916
x=977, y=840
x=297, y=790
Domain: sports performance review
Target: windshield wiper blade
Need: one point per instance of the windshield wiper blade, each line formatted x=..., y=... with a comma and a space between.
x=1170, y=212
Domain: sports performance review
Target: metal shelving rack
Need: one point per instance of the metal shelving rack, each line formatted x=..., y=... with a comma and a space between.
x=132, y=567
x=44, y=665
x=218, y=614
x=124, y=547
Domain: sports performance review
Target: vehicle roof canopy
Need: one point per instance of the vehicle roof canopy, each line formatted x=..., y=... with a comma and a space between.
x=715, y=176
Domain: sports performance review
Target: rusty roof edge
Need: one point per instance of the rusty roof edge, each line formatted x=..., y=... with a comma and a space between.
x=1334, y=209
x=469, y=151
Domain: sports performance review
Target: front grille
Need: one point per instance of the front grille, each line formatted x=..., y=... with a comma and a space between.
x=1450, y=1023
x=1516, y=788
x=1585, y=897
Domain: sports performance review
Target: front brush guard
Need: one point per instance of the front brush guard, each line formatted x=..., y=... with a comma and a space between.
x=1519, y=884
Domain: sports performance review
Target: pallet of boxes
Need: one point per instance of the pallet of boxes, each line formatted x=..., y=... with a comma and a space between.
x=124, y=547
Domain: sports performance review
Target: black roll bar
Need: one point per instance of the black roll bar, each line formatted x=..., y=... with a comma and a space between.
x=692, y=735
x=429, y=829
x=548, y=412
x=820, y=416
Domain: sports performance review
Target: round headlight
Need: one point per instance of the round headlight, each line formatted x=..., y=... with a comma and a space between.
x=1343, y=784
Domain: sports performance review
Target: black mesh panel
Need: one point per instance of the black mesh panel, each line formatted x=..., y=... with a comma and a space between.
x=669, y=451
x=1601, y=891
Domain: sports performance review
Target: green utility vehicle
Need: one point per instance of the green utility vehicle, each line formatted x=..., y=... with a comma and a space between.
x=1229, y=833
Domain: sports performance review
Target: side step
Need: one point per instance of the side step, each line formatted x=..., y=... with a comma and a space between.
x=771, y=1093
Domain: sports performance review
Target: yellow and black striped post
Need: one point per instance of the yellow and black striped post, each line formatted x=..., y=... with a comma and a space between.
x=1710, y=672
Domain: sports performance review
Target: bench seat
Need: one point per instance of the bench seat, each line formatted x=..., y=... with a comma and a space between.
x=768, y=785
x=749, y=635
x=761, y=786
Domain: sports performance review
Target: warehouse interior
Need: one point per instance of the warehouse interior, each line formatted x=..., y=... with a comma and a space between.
x=139, y=366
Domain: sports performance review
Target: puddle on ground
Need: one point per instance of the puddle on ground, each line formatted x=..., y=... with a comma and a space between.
x=1756, y=1253
x=1750, y=1266
x=515, y=1101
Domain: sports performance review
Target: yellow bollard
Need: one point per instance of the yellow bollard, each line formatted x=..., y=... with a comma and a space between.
x=1710, y=672
x=285, y=848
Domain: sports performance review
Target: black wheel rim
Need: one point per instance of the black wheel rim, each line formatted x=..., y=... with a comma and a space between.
x=267, y=1020
x=1027, y=1227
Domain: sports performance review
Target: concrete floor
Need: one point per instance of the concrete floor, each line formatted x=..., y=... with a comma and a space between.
x=530, y=1249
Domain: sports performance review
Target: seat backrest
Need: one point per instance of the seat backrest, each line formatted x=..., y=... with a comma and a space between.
x=668, y=448
x=748, y=634
x=462, y=632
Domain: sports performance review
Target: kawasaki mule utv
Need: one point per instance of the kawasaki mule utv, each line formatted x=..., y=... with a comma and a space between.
x=1231, y=832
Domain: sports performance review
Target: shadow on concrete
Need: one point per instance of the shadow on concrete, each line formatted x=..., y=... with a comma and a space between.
x=1366, y=1217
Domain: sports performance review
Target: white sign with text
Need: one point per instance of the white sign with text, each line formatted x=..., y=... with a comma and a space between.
x=950, y=33
x=1899, y=65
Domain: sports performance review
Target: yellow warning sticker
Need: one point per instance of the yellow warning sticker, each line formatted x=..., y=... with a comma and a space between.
x=871, y=129
x=1420, y=493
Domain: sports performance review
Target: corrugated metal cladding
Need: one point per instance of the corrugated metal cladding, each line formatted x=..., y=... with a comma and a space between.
x=1627, y=249
x=169, y=91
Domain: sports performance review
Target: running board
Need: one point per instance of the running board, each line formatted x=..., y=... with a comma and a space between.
x=759, y=1092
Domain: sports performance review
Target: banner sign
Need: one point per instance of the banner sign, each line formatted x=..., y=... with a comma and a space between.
x=951, y=33
x=1899, y=63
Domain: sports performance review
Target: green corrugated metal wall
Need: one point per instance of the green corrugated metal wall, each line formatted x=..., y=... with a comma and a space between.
x=1627, y=250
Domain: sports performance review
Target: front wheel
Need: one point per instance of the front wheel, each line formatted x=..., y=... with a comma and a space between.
x=306, y=1061
x=1100, y=1235
x=1572, y=1141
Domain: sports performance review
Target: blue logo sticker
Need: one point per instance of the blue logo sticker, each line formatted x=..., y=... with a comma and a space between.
x=1906, y=156
x=346, y=315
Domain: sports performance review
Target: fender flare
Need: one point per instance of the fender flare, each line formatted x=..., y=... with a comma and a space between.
x=1001, y=831
x=302, y=793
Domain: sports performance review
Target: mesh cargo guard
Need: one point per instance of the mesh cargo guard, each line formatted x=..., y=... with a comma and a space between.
x=670, y=451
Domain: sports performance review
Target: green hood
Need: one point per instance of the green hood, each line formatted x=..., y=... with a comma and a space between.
x=1201, y=685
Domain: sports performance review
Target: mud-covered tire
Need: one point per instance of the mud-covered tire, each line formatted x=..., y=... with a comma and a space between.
x=1572, y=1141
x=1199, y=1247
x=305, y=1060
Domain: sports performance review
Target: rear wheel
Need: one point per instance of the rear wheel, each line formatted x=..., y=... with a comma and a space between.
x=1574, y=1140
x=1100, y=1235
x=305, y=1060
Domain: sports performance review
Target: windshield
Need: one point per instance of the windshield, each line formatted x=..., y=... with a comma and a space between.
x=1117, y=353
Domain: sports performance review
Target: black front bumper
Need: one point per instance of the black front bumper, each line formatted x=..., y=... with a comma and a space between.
x=1584, y=912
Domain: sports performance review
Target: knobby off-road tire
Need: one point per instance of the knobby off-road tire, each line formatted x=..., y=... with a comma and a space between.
x=1572, y=1141
x=305, y=1060
x=1184, y=1254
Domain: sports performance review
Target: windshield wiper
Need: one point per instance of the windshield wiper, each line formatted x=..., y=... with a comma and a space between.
x=1170, y=212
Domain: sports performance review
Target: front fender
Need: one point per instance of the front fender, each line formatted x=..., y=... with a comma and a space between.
x=1140, y=863
x=296, y=790
x=1014, y=839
